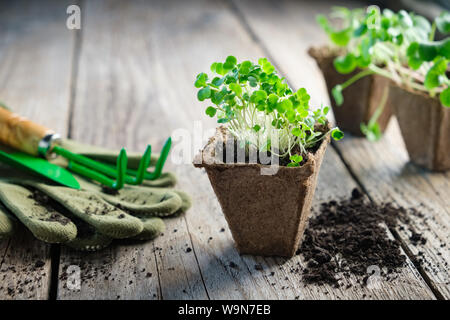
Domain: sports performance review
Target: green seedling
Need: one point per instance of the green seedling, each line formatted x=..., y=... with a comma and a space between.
x=399, y=46
x=257, y=104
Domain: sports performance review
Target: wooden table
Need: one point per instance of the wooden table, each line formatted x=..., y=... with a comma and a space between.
x=126, y=79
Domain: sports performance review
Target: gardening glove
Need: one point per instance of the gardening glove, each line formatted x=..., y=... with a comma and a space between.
x=54, y=214
x=97, y=216
x=7, y=223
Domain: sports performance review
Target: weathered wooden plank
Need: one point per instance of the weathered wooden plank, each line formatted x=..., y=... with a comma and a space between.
x=379, y=167
x=119, y=87
x=225, y=273
x=35, y=67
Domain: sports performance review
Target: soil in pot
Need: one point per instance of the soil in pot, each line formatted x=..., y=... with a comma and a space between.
x=361, y=99
x=425, y=127
x=266, y=213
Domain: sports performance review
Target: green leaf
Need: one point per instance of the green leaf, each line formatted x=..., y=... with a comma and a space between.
x=428, y=51
x=434, y=76
x=405, y=19
x=218, y=81
x=258, y=96
x=323, y=22
x=444, y=48
x=267, y=66
x=296, y=158
x=337, y=95
x=219, y=69
x=341, y=38
x=443, y=22
x=222, y=120
x=293, y=164
x=284, y=105
x=272, y=99
x=362, y=29
x=303, y=113
x=211, y=111
x=204, y=93
x=301, y=92
x=372, y=131
x=236, y=89
x=337, y=134
x=201, y=80
x=256, y=127
x=296, y=131
x=231, y=60
x=445, y=97
x=252, y=81
x=414, y=60
x=345, y=64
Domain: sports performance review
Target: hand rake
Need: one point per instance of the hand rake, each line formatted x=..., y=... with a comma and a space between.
x=39, y=143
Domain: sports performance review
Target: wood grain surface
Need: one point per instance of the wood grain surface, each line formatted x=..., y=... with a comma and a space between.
x=126, y=79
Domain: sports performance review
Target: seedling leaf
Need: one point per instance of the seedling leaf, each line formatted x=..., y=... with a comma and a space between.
x=337, y=95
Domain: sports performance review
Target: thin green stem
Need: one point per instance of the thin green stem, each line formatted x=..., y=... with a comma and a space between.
x=356, y=77
x=432, y=32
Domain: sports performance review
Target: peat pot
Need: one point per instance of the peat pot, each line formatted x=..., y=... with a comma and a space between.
x=425, y=127
x=266, y=213
x=361, y=99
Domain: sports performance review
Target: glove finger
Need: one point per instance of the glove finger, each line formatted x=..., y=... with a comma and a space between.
x=92, y=209
x=39, y=217
x=167, y=179
x=138, y=200
x=153, y=227
x=88, y=238
x=186, y=200
x=8, y=224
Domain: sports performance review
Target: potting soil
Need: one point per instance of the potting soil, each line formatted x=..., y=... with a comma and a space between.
x=347, y=237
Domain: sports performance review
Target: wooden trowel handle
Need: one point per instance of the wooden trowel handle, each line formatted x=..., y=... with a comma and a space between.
x=20, y=133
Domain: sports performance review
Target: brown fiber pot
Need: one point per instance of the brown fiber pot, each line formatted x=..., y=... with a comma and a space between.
x=267, y=214
x=425, y=127
x=361, y=99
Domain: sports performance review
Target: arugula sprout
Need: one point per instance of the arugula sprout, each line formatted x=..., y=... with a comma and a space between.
x=399, y=46
x=257, y=105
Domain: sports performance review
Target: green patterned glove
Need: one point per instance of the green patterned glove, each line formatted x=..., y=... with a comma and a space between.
x=88, y=219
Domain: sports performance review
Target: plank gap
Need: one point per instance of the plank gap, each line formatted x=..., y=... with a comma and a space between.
x=195, y=256
x=55, y=254
x=4, y=254
x=74, y=72
x=159, y=273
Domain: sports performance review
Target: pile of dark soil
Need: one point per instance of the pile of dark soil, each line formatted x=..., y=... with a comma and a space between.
x=347, y=237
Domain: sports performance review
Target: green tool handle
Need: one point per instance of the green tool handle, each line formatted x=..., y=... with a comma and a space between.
x=22, y=134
